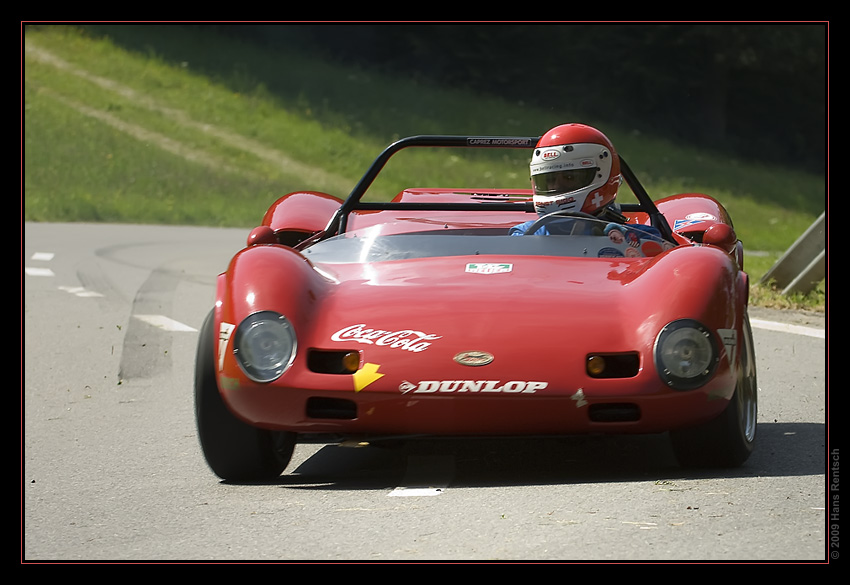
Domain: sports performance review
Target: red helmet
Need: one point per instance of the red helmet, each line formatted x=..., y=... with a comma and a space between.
x=574, y=167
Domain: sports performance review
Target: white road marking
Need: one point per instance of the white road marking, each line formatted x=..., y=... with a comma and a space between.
x=40, y=257
x=164, y=322
x=38, y=271
x=426, y=476
x=405, y=492
x=80, y=291
x=788, y=328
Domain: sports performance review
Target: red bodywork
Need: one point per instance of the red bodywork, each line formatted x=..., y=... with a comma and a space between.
x=411, y=321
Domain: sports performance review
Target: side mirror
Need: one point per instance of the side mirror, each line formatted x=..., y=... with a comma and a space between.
x=721, y=235
x=261, y=235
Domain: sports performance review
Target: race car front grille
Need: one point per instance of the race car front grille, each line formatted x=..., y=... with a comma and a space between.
x=618, y=412
x=333, y=408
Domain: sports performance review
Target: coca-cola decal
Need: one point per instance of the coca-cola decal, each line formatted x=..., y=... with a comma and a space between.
x=405, y=339
x=489, y=268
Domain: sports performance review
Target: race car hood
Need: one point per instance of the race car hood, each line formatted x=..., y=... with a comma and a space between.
x=520, y=310
x=430, y=314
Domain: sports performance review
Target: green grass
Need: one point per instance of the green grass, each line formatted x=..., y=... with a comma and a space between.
x=160, y=124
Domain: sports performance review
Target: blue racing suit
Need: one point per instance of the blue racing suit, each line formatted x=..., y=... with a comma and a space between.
x=564, y=227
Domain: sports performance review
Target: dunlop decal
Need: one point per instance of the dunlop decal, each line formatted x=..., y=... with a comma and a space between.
x=471, y=386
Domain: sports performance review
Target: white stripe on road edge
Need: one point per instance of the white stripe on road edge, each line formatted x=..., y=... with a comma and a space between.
x=787, y=328
x=164, y=323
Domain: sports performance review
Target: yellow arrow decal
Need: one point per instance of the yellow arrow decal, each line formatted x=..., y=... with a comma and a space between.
x=365, y=376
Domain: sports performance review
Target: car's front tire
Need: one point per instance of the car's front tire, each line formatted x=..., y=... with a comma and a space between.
x=234, y=450
x=728, y=440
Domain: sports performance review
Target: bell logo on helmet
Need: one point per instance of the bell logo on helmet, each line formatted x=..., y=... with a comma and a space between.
x=550, y=155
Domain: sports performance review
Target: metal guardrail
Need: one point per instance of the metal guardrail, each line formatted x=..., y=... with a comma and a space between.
x=803, y=265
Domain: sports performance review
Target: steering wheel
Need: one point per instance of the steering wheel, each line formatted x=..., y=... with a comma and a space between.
x=550, y=217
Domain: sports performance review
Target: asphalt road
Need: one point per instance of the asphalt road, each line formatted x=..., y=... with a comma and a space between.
x=112, y=470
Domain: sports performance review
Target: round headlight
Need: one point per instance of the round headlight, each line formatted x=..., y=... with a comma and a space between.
x=685, y=354
x=264, y=346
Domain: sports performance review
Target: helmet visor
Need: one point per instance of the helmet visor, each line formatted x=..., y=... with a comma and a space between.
x=563, y=181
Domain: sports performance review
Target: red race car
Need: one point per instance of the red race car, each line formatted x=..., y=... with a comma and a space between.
x=423, y=316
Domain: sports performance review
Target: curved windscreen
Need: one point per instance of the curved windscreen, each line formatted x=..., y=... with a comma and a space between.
x=571, y=237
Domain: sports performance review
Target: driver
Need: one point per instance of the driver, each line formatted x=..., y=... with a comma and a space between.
x=574, y=168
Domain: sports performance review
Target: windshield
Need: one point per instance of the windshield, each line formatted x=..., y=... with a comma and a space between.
x=571, y=237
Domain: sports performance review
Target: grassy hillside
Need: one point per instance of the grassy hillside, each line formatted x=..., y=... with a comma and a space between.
x=157, y=124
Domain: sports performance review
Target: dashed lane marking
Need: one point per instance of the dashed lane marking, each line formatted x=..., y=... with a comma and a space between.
x=32, y=271
x=80, y=291
x=163, y=322
x=36, y=271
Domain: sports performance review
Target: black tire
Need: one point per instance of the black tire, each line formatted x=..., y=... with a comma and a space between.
x=233, y=449
x=728, y=440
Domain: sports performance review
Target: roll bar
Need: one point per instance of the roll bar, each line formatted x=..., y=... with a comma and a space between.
x=353, y=202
